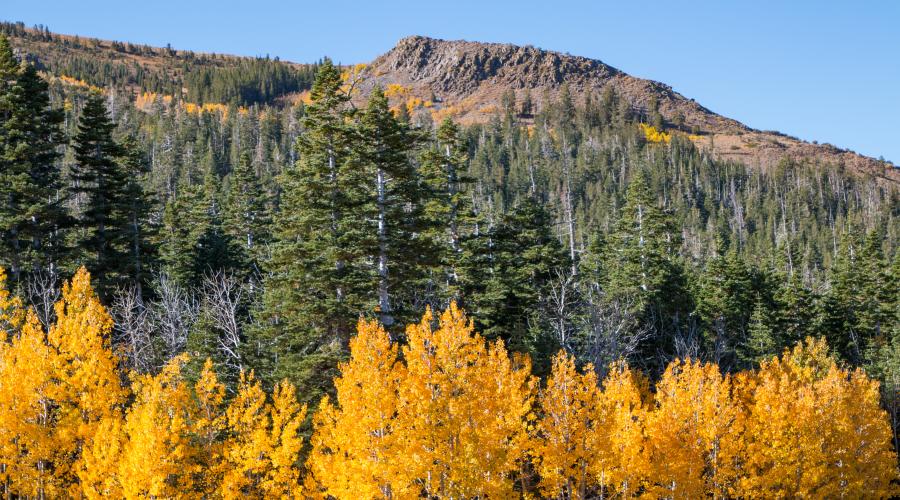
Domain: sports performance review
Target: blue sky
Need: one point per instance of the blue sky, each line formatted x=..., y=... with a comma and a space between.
x=825, y=70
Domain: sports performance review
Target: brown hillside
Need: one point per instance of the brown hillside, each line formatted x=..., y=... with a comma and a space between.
x=468, y=79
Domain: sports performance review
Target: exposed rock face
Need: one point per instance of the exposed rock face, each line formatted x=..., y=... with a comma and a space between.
x=468, y=80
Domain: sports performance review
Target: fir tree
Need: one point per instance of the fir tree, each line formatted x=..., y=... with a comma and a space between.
x=141, y=230
x=394, y=200
x=309, y=305
x=102, y=182
x=246, y=215
x=510, y=292
x=762, y=342
x=32, y=215
x=448, y=207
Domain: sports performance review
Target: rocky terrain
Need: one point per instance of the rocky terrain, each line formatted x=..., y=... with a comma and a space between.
x=468, y=79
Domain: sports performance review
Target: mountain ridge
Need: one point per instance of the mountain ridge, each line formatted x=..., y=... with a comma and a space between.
x=471, y=77
x=468, y=80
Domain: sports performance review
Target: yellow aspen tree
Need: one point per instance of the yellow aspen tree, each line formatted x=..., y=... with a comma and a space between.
x=566, y=441
x=29, y=448
x=158, y=452
x=12, y=314
x=263, y=444
x=620, y=463
x=353, y=448
x=208, y=429
x=99, y=475
x=464, y=411
x=88, y=387
x=693, y=433
x=247, y=443
x=282, y=477
x=815, y=430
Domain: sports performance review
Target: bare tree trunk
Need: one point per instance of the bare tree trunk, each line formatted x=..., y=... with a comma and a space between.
x=384, y=302
x=570, y=217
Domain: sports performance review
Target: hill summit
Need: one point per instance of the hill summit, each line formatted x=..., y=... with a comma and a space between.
x=469, y=80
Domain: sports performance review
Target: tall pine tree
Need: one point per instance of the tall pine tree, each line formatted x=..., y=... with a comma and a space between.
x=311, y=297
x=32, y=215
x=102, y=184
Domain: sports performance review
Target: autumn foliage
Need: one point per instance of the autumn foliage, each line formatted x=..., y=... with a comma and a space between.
x=444, y=414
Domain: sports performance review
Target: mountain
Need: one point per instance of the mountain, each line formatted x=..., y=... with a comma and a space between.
x=469, y=79
x=466, y=80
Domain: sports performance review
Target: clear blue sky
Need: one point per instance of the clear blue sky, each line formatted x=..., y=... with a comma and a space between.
x=820, y=70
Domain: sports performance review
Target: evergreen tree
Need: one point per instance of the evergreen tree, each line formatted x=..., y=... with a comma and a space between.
x=641, y=249
x=247, y=216
x=141, y=230
x=762, y=342
x=310, y=300
x=643, y=270
x=178, y=242
x=724, y=304
x=448, y=207
x=394, y=202
x=102, y=183
x=796, y=307
x=215, y=249
x=195, y=243
x=510, y=292
x=32, y=215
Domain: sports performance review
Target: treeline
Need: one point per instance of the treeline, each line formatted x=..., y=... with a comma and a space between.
x=450, y=416
x=130, y=68
x=256, y=237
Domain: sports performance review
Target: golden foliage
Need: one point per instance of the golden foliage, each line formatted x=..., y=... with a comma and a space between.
x=353, y=441
x=453, y=422
x=263, y=447
x=653, y=135
x=87, y=387
x=351, y=77
x=75, y=82
x=153, y=464
x=396, y=90
x=461, y=436
x=692, y=433
x=816, y=430
x=28, y=445
x=453, y=416
x=568, y=429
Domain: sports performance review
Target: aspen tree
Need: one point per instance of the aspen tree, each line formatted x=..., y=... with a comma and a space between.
x=464, y=411
x=353, y=447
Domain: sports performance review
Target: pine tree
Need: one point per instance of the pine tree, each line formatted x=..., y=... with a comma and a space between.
x=724, y=303
x=383, y=152
x=246, y=214
x=313, y=278
x=508, y=293
x=796, y=311
x=643, y=269
x=32, y=215
x=141, y=230
x=195, y=243
x=448, y=207
x=762, y=342
x=103, y=237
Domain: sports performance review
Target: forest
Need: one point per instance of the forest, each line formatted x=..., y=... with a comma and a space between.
x=250, y=284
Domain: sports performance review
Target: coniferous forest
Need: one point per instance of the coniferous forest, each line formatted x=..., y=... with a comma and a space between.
x=213, y=290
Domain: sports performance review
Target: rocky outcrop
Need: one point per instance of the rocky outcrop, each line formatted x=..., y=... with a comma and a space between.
x=468, y=79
